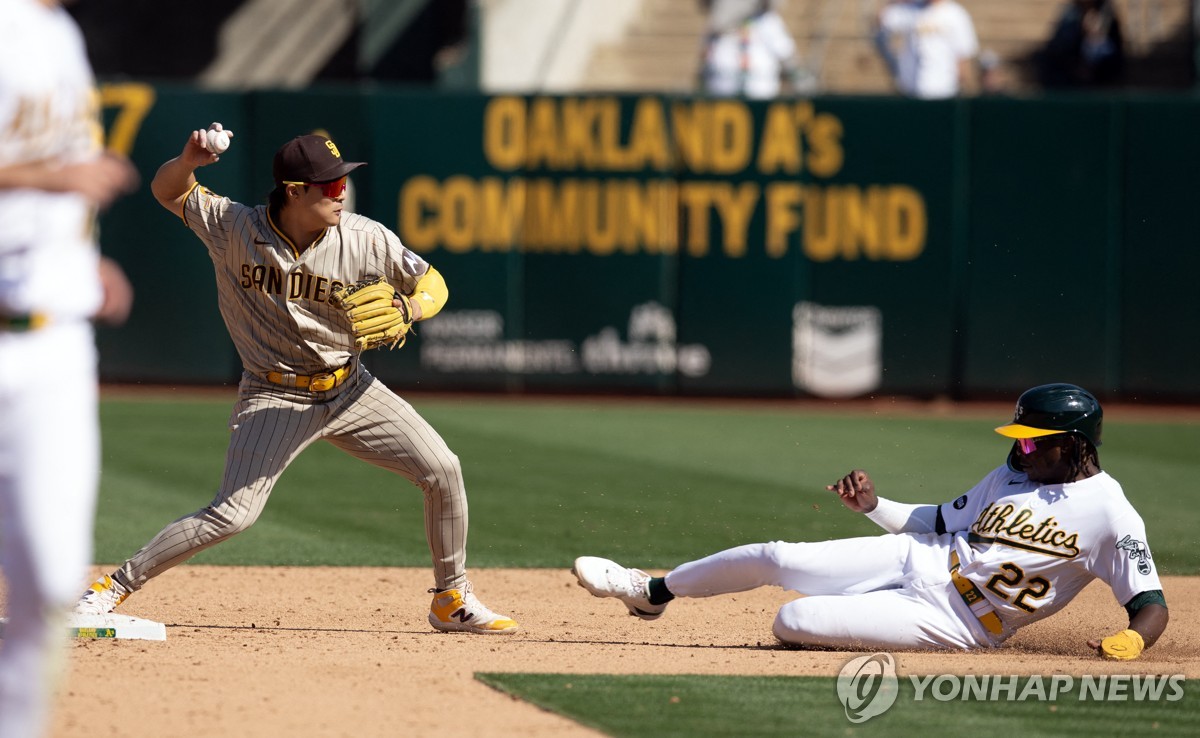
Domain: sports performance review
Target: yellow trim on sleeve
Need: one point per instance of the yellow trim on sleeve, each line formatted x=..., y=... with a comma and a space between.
x=431, y=293
x=183, y=202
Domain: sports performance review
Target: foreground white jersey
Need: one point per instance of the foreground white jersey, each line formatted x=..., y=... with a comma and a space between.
x=1031, y=548
x=48, y=112
x=275, y=301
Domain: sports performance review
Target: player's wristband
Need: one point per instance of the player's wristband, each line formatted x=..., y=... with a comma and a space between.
x=431, y=293
x=1124, y=646
x=899, y=517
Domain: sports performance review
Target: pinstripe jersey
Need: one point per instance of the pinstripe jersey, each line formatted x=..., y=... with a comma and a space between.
x=274, y=298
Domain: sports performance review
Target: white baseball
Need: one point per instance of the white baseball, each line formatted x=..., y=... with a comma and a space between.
x=218, y=141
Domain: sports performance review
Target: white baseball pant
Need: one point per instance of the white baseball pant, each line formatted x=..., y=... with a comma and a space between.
x=886, y=592
x=49, y=475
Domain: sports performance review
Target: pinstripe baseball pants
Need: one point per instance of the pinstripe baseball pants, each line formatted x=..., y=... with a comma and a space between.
x=271, y=425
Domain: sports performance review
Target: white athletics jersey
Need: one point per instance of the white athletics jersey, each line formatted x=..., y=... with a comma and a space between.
x=48, y=112
x=937, y=37
x=1031, y=548
x=275, y=301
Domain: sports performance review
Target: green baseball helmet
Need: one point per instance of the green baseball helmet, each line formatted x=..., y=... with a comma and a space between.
x=1056, y=408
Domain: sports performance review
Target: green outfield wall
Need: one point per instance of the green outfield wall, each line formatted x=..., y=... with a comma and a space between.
x=832, y=247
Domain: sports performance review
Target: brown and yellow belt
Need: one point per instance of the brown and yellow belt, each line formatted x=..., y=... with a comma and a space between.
x=316, y=382
x=975, y=600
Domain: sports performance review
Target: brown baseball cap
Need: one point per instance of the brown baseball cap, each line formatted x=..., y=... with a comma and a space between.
x=311, y=158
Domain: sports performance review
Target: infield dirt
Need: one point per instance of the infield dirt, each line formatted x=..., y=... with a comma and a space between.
x=316, y=652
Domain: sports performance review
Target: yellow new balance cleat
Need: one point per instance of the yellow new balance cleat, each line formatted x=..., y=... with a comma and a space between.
x=461, y=610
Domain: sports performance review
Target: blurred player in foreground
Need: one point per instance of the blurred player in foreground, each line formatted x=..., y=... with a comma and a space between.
x=966, y=574
x=52, y=283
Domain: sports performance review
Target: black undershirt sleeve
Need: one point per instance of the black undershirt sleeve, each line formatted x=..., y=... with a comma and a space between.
x=1149, y=597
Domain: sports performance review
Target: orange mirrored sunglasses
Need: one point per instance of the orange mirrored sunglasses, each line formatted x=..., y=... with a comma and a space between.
x=328, y=189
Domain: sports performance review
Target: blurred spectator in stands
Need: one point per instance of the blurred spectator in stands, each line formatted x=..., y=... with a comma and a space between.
x=937, y=46
x=748, y=51
x=1086, y=48
x=993, y=75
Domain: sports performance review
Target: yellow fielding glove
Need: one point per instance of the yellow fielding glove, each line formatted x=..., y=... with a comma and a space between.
x=1124, y=646
x=373, y=317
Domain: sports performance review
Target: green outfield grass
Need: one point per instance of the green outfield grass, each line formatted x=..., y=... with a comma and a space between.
x=637, y=706
x=651, y=483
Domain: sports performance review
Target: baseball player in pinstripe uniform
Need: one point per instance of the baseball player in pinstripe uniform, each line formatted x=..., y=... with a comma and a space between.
x=276, y=266
x=966, y=574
